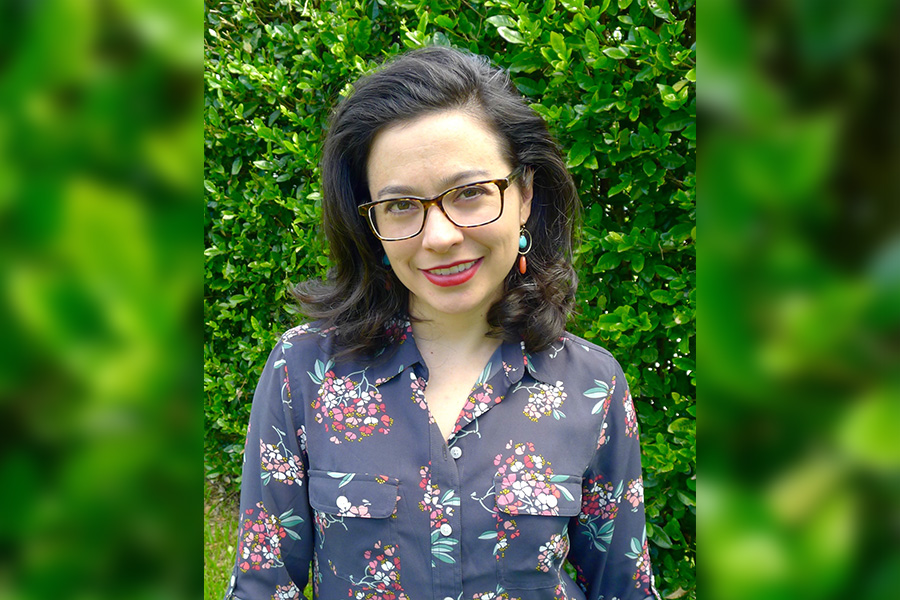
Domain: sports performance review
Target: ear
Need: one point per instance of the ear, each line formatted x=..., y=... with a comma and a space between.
x=526, y=189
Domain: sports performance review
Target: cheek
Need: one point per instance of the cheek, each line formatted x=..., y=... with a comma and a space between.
x=397, y=252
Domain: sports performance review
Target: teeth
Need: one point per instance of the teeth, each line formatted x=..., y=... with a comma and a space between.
x=453, y=270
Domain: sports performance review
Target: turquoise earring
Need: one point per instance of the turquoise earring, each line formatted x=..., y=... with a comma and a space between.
x=385, y=261
x=524, y=248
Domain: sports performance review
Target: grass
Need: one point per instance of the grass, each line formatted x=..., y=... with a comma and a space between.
x=220, y=523
x=220, y=526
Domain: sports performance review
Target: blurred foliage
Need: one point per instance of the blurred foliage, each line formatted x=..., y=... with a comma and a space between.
x=100, y=275
x=615, y=81
x=801, y=318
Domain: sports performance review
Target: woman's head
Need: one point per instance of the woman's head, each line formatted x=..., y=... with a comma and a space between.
x=416, y=86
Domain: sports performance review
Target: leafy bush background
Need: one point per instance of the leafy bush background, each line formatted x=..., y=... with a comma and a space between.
x=615, y=81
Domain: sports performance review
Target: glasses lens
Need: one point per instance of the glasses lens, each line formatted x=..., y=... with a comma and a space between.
x=397, y=218
x=474, y=205
x=467, y=206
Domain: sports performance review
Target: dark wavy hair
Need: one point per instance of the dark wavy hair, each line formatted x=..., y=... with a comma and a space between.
x=360, y=295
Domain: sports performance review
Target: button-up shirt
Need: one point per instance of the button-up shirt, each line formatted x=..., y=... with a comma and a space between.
x=346, y=470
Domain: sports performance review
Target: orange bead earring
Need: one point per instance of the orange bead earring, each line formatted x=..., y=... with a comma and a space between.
x=524, y=248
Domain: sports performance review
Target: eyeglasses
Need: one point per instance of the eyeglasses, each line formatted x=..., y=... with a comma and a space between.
x=470, y=205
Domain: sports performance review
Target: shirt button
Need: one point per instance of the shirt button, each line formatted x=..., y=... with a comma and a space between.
x=455, y=451
x=446, y=529
x=448, y=598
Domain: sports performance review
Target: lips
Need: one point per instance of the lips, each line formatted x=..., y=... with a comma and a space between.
x=453, y=274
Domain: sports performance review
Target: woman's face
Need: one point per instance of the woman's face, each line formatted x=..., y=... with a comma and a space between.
x=424, y=157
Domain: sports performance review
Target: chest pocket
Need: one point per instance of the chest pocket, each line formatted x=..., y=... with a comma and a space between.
x=533, y=511
x=354, y=514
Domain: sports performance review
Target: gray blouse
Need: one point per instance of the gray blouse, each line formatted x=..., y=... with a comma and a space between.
x=345, y=470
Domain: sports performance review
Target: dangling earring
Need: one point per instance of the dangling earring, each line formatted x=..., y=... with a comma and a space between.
x=524, y=248
x=386, y=261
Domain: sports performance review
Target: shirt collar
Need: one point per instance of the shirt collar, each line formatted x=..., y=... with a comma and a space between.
x=398, y=354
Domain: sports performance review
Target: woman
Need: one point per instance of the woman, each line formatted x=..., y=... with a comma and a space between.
x=437, y=433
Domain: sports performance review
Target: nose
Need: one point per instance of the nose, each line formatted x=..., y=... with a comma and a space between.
x=439, y=234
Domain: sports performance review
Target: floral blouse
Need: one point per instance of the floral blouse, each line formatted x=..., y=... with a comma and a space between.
x=345, y=469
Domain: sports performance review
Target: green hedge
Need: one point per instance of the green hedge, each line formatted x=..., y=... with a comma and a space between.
x=615, y=81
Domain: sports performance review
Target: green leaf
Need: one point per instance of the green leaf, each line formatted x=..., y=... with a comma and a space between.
x=566, y=493
x=445, y=21
x=502, y=21
x=685, y=499
x=681, y=425
x=660, y=538
x=511, y=35
x=601, y=391
x=666, y=272
x=617, y=53
x=674, y=122
x=441, y=556
x=527, y=86
x=660, y=8
x=637, y=263
x=618, y=188
x=661, y=296
x=592, y=42
x=579, y=152
x=236, y=165
x=558, y=44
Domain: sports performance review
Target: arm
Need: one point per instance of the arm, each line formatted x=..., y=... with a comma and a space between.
x=275, y=534
x=609, y=545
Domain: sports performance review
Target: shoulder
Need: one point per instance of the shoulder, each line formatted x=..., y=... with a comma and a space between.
x=576, y=361
x=305, y=341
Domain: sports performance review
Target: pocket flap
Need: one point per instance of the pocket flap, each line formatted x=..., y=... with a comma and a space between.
x=353, y=494
x=534, y=493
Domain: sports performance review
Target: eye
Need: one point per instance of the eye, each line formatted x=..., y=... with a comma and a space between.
x=400, y=206
x=472, y=192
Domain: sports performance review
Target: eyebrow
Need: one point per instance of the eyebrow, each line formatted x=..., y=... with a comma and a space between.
x=446, y=183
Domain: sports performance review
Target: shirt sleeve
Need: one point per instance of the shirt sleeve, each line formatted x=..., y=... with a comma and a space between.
x=608, y=537
x=275, y=535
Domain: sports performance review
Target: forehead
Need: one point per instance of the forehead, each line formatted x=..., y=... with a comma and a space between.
x=428, y=151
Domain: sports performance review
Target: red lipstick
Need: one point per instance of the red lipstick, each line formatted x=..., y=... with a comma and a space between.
x=451, y=279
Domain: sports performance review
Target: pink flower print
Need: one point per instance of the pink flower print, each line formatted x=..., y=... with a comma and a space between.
x=278, y=463
x=635, y=493
x=417, y=385
x=545, y=400
x=600, y=498
x=507, y=499
x=259, y=546
x=287, y=592
x=603, y=438
x=631, y=426
x=643, y=577
x=382, y=574
x=354, y=410
x=553, y=552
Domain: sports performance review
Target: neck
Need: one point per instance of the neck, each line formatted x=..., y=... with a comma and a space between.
x=459, y=334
